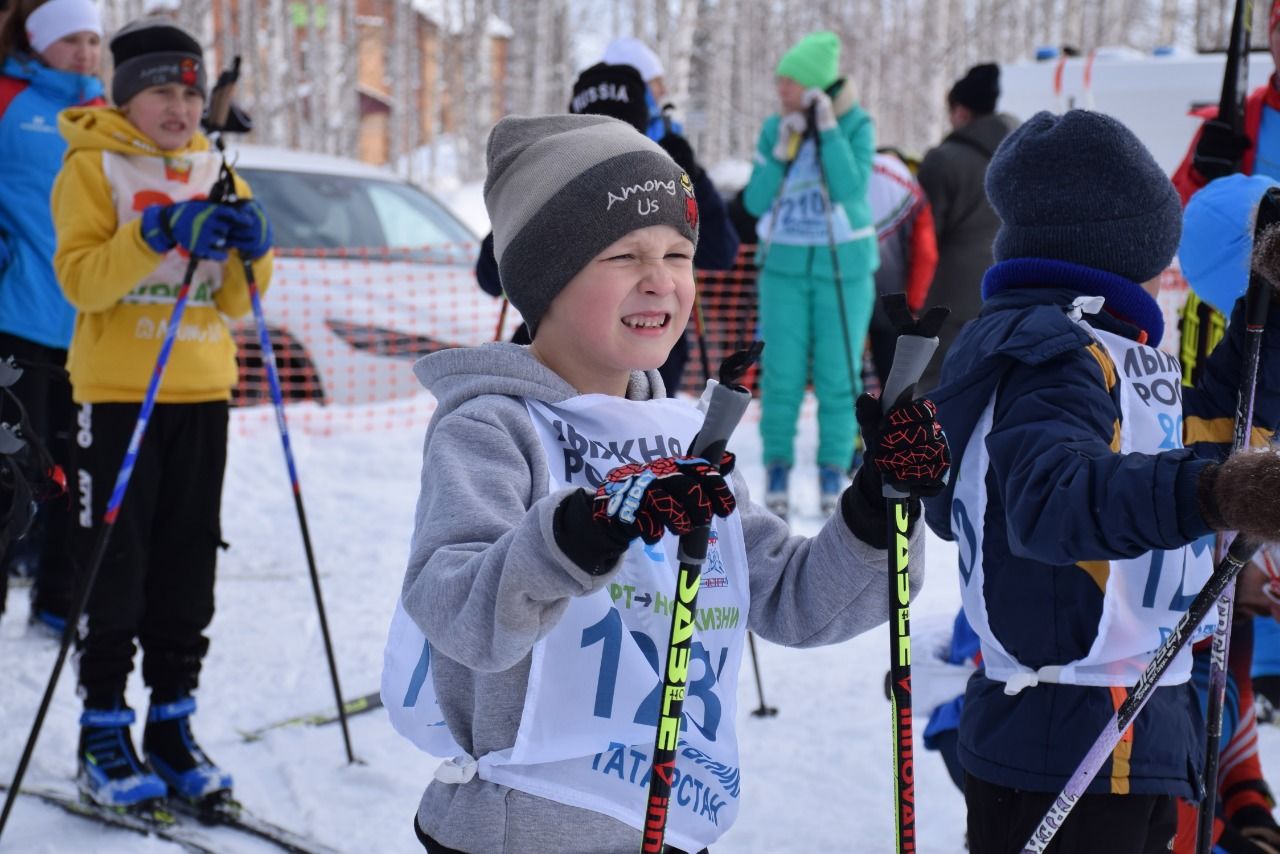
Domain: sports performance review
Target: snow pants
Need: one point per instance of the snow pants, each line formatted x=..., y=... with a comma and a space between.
x=46, y=395
x=1001, y=820
x=156, y=579
x=800, y=324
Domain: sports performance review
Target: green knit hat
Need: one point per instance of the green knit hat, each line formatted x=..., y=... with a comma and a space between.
x=814, y=61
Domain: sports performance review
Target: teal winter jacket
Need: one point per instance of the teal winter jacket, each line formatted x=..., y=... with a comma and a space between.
x=847, y=154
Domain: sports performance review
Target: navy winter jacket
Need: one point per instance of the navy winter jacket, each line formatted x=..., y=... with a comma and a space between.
x=1058, y=496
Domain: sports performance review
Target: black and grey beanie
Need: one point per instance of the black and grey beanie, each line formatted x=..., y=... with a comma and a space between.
x=562, y=188
x=154, y=51
x=1081, y=188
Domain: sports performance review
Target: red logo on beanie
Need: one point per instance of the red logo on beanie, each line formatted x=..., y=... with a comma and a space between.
x=187, y=72
x=691, y=213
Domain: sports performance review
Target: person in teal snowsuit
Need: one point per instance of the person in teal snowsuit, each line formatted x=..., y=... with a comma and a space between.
x=799, y=307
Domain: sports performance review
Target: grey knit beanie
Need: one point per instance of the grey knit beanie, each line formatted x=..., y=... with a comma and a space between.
x=562, y=188
x=1081, y=188
x=154, y=51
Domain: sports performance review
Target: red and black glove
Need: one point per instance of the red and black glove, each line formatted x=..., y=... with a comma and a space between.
x=676, y=494
x=905, y=448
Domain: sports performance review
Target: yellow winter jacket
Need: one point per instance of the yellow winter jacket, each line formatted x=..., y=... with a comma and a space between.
x=122, y=290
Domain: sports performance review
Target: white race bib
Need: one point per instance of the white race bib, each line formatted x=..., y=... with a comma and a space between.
x=800, y=214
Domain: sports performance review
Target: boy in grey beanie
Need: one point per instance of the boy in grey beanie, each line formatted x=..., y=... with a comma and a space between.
x=1089, y=484
x=516, y=655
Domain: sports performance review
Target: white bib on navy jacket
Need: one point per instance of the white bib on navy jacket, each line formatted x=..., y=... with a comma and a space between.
x=590, y=711
x=1145, y=596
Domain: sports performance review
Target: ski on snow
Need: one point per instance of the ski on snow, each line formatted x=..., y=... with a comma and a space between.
x=355, y=706
x=164, y=823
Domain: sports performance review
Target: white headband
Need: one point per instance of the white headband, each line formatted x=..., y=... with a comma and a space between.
x=59, y=18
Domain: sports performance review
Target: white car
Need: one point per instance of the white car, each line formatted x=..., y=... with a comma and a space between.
x=370, y=273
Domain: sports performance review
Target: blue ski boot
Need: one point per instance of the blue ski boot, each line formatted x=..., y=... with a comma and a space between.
x=775, y=494
x=831, y=482
x=110, y=773
x=172, y=751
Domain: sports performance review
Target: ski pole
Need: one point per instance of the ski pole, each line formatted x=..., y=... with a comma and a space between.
x=835, y=258
x=123, y=477
x=220, y=103
x=916, y=344
x=764, y=710
x=1257, y=300
x=724, y=410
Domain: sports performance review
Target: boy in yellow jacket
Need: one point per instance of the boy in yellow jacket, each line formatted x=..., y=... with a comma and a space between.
x=130, y=210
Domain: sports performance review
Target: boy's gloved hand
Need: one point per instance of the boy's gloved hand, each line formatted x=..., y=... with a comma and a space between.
x=682, y=153
x=1219, y=149
x=906, y=448
x=1255, y=824
x=199, y=226
x=818, y=104
x=1243, y=494
x=252, y=236
x=792, y=125
x=674, y=494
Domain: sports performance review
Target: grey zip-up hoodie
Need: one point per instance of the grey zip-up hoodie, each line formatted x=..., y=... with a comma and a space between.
x=486, y=581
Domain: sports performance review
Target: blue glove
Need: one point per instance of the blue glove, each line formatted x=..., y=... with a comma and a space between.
x=198, y=226
x=5, y=257
x=253, y=235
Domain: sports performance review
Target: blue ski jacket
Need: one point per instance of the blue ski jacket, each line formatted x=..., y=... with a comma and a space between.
x=1058, y=496
x=31, y=96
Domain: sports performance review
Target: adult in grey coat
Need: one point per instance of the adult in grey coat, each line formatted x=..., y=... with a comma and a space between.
x=952, y=175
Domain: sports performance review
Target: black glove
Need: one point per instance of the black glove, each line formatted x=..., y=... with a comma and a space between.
x=1219, y=150
x=676, y=494
x=682, y=153
x=906, y=448
x=1243, y=494
x=1255, y=824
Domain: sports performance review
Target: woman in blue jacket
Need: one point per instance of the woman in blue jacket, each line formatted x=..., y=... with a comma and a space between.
x=49, y=54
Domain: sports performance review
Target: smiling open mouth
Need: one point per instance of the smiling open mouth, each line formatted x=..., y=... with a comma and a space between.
x=646, y=321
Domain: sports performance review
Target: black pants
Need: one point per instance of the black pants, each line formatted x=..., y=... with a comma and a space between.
x=433, y=847
x=46, y=395
x=1001, y=820
x=156, y=579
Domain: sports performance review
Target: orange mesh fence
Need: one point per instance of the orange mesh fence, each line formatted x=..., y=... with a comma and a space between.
x=346, y=327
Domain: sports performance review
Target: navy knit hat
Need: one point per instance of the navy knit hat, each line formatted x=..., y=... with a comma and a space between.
x=1081, y=188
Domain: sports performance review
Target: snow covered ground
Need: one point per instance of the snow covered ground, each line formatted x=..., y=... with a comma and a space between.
x=817, y=776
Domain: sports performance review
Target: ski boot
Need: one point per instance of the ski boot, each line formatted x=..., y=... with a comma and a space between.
x=831, y=482
x=171, y=749
x=775, y=496
x=110, y=773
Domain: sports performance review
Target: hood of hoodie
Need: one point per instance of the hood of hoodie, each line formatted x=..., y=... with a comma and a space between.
x=63, y=87
x=107, y=129
x=986, y=133
x=457, y=375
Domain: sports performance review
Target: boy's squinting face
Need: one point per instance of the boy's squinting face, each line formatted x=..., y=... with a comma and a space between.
x=624, y=311
x=169, y=115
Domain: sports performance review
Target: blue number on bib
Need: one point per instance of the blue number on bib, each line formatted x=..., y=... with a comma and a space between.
x=419, y=676
x=609, y=631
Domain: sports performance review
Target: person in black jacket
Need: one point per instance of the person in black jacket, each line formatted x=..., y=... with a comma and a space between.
x=619, y=91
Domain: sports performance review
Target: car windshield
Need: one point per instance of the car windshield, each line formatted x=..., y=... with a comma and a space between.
x=310, y=210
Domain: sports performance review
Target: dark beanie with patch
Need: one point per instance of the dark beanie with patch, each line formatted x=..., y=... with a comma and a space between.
x=978, y=90
x=1082, y=188
x=154, y=51
x=611, y=90
x=561, y=189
